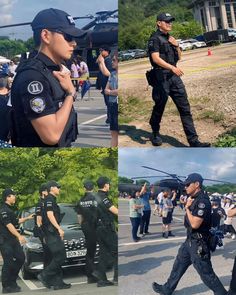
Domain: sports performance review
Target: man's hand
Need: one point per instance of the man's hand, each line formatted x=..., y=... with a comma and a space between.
x=65, y=81
x=100, y=59
x=31, y=216
x=22, y=240
x=61, y=233
x=189, y=203
x=173, y=41
x=177, y=71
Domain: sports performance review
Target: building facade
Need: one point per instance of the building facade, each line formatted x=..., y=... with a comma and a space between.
x=213, y=15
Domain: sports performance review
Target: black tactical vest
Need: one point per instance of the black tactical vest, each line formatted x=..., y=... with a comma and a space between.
x=22, y=130
x=168, y=52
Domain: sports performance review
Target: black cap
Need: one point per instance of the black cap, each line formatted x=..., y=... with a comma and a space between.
x=102, y=181
x=58, y=20
x=165, y=17
x=88, y=184
x=105, y=48
x=43, y=187
x=194, y=177
x=52, y=183
x=7, y=192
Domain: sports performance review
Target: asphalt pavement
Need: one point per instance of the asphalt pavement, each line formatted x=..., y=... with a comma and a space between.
x=75, y=276
x=91, y=110
x=152, y=258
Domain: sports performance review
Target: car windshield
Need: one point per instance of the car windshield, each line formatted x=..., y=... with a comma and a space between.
x=68, y=214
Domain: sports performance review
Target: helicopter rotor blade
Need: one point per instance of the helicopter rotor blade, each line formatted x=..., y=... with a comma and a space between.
x=169, y=174
x=144, y=177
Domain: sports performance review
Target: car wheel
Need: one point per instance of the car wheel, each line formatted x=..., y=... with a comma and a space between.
x=194, y=47
x=26, y=274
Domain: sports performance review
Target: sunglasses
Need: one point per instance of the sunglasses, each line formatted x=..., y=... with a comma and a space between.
x=188, y=184
x=67, y=37
x=168, y=21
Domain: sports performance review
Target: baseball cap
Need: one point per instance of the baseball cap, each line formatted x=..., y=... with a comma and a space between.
x=105, y=48
x=230, y=197
x=165, y=17
x=102, y=181
x=88, y=184
x=43, y=188
x=56, y=19
x=194, y=177
x=52, y=183
x=7, y=192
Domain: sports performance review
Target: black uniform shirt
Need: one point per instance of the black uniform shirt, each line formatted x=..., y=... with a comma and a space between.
x=7, y=216
x=216, y=216
x=87, y=207
x=201, y=207
x=50, y=204
x=32, y=97
x=39, y=207
x=103, y=207
x=168, y=52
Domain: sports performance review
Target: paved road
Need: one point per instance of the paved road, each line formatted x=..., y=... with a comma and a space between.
x=93, y=132
x=152, y=258
x=73, y=276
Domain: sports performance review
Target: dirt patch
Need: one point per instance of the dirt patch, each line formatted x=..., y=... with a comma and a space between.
x=211, y=87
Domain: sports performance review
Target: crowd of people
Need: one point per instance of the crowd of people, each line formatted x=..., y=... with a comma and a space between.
x=96, y=214
x=44, y=85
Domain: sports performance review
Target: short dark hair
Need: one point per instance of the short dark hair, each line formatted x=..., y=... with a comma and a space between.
x=37, y=37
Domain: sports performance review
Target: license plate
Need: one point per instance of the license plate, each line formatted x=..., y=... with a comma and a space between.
x=76, y=253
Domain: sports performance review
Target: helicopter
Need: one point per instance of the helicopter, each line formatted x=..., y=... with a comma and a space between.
x=99, y=31
x=171, y=182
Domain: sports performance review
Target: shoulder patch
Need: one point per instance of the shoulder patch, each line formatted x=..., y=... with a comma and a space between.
x=200, y=212
x=35, y=87
x=37, y=104
x=201, y=205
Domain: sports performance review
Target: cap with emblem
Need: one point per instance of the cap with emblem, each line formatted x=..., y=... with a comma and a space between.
x=58, y=20
x=43, y=188
x=102, y=181
x=194, y=177
x=7, y=192
x=165, y=17
x=52, y=183
x=88, y=184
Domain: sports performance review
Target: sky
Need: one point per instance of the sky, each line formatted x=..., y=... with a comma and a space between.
x=213, y=163
x=17, y=11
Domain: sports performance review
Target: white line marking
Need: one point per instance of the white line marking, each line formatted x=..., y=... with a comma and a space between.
x=151, y=241
x=94, y=126
x=149, y=224
x=92, y=120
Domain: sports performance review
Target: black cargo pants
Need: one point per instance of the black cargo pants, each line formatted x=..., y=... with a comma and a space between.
x=13, y=259
x=172, y=85
x=233, y=280
x=91, y=242
x=108, y=241
x=187, y=255
x=53, y=271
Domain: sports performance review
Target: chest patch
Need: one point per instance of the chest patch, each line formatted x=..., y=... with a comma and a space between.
x=35, y=87
x=37, y=104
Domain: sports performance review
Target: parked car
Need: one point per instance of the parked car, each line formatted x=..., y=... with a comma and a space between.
x=232, y=34
x=196, y=44
x=139, y=53
x=74, y=241
x=185, y=45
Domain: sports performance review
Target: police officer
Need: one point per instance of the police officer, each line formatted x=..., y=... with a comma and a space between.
x=195, y=250
x=106, y=234
x=10, y=242
x=52, y=275
x=38, y=229
x=87, y=212
x=42, y=92
x=164, y=53
x=232, y=288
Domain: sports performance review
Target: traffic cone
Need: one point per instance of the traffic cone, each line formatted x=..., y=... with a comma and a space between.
x=209, y=52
